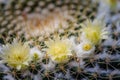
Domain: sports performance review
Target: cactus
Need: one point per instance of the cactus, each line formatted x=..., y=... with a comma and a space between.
x=65, y=41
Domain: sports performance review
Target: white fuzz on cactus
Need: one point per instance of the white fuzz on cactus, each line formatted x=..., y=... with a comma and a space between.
x=84, y=49
x=36, y=54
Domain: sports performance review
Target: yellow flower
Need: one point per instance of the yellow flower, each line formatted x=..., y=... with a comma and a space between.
x=16, y=55
x=59, y=50
x=112, y=3
x=94, y=31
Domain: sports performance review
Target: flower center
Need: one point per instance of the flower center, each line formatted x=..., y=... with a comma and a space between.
x=59, y=49
x=36, y=56
x=19, y=58
x=87, y=47
x=93, y=34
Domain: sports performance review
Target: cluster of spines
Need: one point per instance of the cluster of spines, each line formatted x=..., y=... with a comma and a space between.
x=12, y=14
x=96, y=64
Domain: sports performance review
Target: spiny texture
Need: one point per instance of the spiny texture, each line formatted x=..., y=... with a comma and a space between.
x=16, y=12
x=103, y=64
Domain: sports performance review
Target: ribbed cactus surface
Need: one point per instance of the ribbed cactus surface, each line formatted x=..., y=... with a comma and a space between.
x=20, y=19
